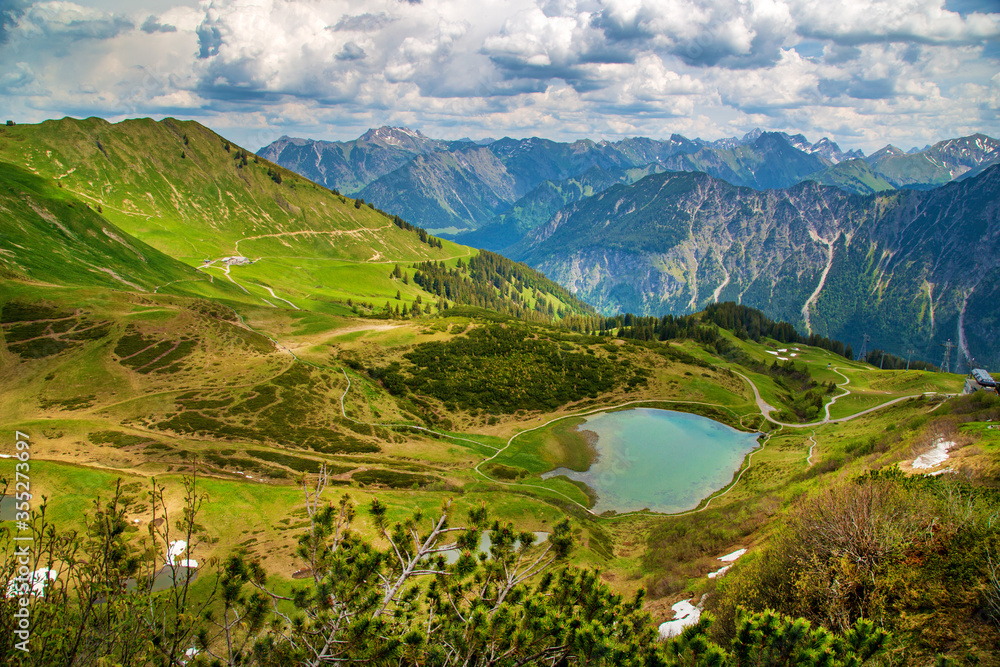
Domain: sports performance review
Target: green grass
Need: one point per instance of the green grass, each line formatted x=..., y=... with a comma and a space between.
x=126, y=201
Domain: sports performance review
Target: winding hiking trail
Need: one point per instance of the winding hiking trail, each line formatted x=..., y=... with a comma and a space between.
x=766, y=409
x=510, y=441
x=278, y=297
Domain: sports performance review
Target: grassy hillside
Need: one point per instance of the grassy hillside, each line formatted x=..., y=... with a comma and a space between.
x=853, y=176
x=191, y=194
x=112, y=384
x=52, y=236
x=121, y=361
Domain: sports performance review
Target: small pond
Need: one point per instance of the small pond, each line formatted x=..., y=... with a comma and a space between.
x=660, y=460
x=168, y=577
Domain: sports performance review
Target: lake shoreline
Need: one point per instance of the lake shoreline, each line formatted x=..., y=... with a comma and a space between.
x=652, y=459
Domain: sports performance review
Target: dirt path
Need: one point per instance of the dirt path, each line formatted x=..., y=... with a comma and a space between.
x=767, y=409
x=343, y=413
x=307, y=232
x=278, y=297
x=833, y=400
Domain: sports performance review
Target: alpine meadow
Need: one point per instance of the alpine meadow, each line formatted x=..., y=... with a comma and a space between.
x=398, y=396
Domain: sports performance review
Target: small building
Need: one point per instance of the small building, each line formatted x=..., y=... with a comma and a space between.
x=980, y=380
x=10, y=123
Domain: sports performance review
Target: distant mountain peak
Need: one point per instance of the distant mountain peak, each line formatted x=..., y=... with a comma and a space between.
x=887, y=151
x=392, y=135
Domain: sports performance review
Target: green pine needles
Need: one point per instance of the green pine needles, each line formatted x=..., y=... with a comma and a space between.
x=394, y=600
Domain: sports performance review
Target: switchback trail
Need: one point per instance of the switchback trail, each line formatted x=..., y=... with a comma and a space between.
x=766, y=409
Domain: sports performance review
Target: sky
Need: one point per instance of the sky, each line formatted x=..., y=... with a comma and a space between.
x=862, y=72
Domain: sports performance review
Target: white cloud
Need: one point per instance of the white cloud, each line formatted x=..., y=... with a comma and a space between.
x=861, y=71
x=70, y=21
x=863, y=21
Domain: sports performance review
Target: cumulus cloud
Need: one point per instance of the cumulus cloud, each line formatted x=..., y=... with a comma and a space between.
x=10, y=13
x=19, y=79
x=729, y=33
x=70, y=21
x=925, y=21
x=855, y=70
x=366, y=22
x=351, y=51
x=152, y=24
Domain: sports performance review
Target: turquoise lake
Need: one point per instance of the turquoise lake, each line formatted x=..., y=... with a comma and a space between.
x=660, y=460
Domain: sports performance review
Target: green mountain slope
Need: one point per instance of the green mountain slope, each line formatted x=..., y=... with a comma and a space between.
x=855, y=176
x=51, y=236
x=275, y=237
x=182, y=188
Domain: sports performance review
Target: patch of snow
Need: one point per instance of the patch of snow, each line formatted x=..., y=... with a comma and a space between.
x=936, y=456
x=189, y=562
x=730, y=558
x=771, y=352
x=793, y=354
x=940, y=472
x=718, y=573
x=783, y=358
x=37, y=581
x=175, y=549
x=685, y=614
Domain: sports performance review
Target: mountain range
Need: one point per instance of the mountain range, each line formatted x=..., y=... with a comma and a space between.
x=911, y=269
x=839, y=243
x=171, y=304
x=505, y=187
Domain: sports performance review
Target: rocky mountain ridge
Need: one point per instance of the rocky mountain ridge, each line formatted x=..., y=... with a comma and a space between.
x=910, y=268
x=494, y=191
